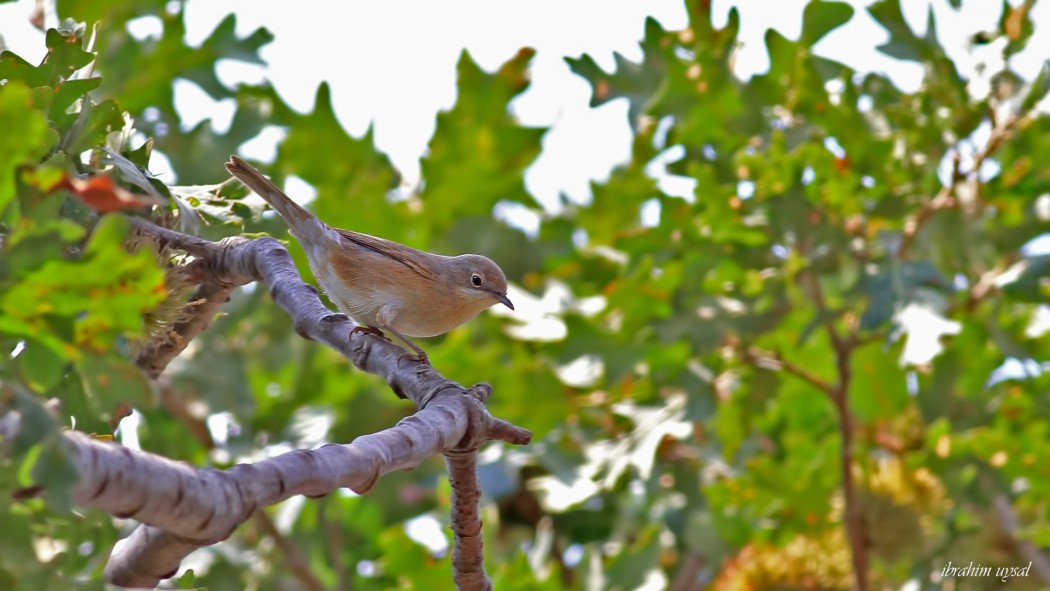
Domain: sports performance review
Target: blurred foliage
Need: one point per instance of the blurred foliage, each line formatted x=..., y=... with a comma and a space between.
x=844, y=238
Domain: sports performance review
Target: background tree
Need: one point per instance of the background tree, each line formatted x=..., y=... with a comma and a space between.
x=824, y=369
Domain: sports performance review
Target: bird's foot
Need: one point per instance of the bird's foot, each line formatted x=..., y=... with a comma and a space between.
x=420, y=357
x=369, y=330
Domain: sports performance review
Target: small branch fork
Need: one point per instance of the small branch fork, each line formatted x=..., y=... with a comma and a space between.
x=945, y=198
x=838, y=394
x=183, y=508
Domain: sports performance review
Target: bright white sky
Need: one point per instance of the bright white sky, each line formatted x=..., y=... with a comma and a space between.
x=393, y=63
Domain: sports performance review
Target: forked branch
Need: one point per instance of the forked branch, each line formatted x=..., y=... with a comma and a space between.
x=183, y=508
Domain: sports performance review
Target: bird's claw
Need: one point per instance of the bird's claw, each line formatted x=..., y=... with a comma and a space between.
x=420, y=357
x=369, y=330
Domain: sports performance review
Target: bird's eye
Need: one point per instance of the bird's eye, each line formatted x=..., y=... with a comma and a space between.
x=476, y=280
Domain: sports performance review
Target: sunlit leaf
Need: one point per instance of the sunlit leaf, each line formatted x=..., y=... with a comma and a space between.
x=25, y=135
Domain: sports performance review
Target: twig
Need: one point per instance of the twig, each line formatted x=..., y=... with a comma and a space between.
x=176, y=405
x=817, y=293
x=985, y=285
x=1027, y=549
x=854, y=523
x=839, y=395
x=334, y=546
x=776, y=362
x=688, y=577
x=198, y=247
x=293, y=555
x=945, y=198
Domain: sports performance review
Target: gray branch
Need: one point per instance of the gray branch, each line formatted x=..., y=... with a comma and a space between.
x=468, y=557
x=182, y=508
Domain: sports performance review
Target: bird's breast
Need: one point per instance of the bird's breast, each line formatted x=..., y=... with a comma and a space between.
x=356, y=298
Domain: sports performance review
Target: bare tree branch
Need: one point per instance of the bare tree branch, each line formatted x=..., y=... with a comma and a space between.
x=468, y=556
x=183, y=508
x=193, y=245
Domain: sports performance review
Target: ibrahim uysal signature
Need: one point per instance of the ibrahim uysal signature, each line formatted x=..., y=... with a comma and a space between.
x=1001, y=572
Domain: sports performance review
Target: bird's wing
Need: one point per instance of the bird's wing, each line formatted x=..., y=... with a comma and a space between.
x=408, y=257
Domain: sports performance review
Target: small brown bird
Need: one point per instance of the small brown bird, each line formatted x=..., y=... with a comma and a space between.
x=384, y=285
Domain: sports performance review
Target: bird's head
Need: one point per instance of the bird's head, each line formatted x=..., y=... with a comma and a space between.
x=479, y=282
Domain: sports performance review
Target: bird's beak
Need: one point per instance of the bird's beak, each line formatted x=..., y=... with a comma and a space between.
x=502, y=297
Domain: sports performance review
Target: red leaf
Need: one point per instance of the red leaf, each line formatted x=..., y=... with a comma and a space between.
x=102, y=194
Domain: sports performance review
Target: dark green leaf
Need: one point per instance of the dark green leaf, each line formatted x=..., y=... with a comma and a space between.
x=1038, y=90
x=638, y=82
x=883, y=392
x=64, y=57
x=55, y=469
x=223, y=43
x=42, y=368
x=820, y=18
x=111, y=380
x=1031, y=282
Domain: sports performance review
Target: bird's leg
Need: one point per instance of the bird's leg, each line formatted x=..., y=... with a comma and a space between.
x=420, y=356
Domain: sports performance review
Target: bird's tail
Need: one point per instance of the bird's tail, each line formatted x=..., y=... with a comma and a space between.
x=302, y=223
